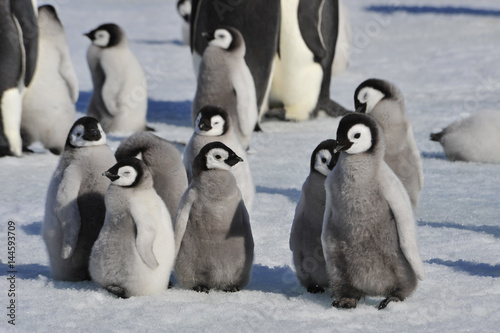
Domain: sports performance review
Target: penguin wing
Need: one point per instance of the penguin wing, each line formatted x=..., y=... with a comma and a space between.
x=400, y=205
x=309, y=15
x=68, y=74
x=182, y=216
x=146, y=233
x=246, y=100
x=416, y=157
x=67, y=210
x=113, y=84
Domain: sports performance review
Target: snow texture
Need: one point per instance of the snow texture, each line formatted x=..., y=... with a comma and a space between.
x=444, y=57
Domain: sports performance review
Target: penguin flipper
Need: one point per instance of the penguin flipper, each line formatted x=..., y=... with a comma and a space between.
x=182, y=217
x=146, y=233
x=309, y=17
x=117, y=290
x=68, y=74
x=400, y=205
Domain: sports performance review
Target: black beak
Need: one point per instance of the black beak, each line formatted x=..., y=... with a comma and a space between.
x=207, y=35
x=110, y=175
x=232, y=160
x=361, y=108
x=89, y=35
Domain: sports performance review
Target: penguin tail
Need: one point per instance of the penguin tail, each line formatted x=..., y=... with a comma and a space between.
x=117, y=290
x=149, y=129
x=257, y=128
x=436, y=136
x=331, y=108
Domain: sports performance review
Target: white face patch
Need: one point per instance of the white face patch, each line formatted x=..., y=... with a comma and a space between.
x=127, y=176
x=101, y=38
x=216, y=158
x=370, y=97
x=323, y=158
x=217, y=124
x=222, y=39
x=185, y=8
x=77, y=140
x=361, y=139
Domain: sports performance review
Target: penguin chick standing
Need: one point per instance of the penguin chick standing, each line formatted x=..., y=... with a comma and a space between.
x=369, y=232
x=184, y=10
x=305, y=236
x=120, y=98
x=384, y=101
x=165, y=163
x=49, y=102
x=474, y=139
x=214, y=124
x=134, y=253
x=74, y=209
x=213, y=238
x=224, y=79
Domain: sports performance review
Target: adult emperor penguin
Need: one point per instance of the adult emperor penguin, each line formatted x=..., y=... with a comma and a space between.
x=225, y=80
x=74, y=209
x=473, y=139
x=49, y=102
x=214, y=124
x=305, y=236
x=184, y=9
x=165, y=163
x=120, y=97
x=18, y=53
x=258, y=21
x=213, y=238
x=384, y=101
x=306, y=48
x=369, y=232
x=135, y=251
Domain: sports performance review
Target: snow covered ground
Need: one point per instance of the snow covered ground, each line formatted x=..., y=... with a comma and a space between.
x=446, y=62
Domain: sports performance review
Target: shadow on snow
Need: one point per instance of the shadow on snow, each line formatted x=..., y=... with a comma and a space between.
x=440, y=10
x=292, y=193
x=471, y=268
x=488, y=229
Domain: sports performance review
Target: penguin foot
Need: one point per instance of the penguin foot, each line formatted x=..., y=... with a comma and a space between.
x=170, y=285
x=27, y=150
x=150, y=129
x=55, y=151
x=315, y=289
x=331, y=108
x=345, y=303
x=117, y=290
x=386, y=301
x=232, y=289
x=201, y=289
x=276, y=113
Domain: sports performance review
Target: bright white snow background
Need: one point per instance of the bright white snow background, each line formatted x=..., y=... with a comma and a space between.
x=447, y=64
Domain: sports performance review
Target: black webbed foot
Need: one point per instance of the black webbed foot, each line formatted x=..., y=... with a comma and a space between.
x=345, y=303
x=118, y=291
x=315, y=289
x=386, y=301
x=201, y=289
x=231, y=289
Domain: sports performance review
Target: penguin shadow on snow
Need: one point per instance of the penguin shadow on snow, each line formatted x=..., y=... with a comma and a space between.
x=34, y=228
x=291, y=193
x=487, y=229
x=434, y=155
x=440, y=10
x=280, y=280
x=469, y=267
x=26, y=271
x=177, y=113
x=158, y=42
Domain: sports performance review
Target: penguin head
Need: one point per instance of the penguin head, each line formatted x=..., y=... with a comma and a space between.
x=323, y=158
x=226, y=38
x=128, y=172
x=106, y=35
x=86, y=132
x=357, y=133
x=370, y=92
x=47, y=12
x=184, y=9
x=212, y=121
x=215, y=155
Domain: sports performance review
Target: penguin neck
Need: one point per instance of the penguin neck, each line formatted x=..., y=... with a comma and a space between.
x=315, y=187
x=361, y=168
x=216, y=184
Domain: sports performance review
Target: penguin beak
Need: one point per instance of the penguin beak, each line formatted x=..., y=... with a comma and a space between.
x=361, y=109
x=232, y=160
x=207, y=35
x=89, y=35
x=110, y=175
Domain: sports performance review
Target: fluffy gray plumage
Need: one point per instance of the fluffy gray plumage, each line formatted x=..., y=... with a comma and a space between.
x=369, y=232
x=74, y=209
x=212, y=229
x=165, y=162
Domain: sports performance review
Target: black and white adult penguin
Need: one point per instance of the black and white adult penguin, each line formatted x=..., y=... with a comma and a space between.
x=74, y=209
x=18, y=54
x=49, y=102
x=258, y=22
x=119, y=100
x=303, y=65
x=369, y=232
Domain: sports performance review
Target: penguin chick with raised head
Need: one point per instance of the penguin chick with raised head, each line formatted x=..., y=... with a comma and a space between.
x=134, y=253
x=119, y=99
x=213, y=237
x=225, y=80
x=49, y=102
x=369, y=233
x=385, y=103
x=305, y=236
x=163, y=160
x=74, y=208
x=214, y=124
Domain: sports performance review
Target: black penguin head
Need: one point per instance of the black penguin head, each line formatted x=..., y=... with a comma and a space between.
x=106, y=35
x=184, y=9
x=323, y=158
x=215, y=155
x=357, y=133
x=212, y=121
x=86, y=132
x=127, y=172
x=227, y=38
x=370, y=92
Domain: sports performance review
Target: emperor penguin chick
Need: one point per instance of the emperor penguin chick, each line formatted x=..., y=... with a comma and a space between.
x=163, y=160
x=119, y=99
x=134, y=253
x=213, y=238
x=224, y=79
x=305, y=236
x=49, y=102
x=384, y=101
x=74, y=208
x=214, y=124
x=369, y=232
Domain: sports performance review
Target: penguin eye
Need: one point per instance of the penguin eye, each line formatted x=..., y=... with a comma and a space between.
x=218, y=157
x=357, y=135
x=323, y=160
